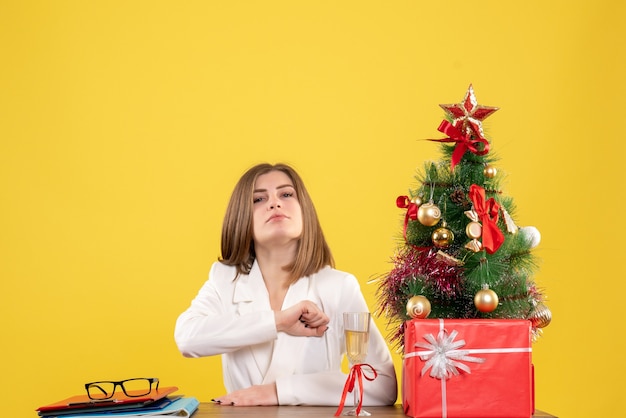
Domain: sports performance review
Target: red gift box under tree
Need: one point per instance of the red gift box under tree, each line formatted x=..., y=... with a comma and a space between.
x=467, y=369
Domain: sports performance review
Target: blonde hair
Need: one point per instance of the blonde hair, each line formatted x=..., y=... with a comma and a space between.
x=313, y=252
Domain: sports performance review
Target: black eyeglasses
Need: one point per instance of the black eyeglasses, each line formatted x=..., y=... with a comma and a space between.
x=131, y=387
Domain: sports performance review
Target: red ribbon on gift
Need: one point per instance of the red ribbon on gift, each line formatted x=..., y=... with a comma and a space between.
x=487, y=211
x=404, y=202
x=463, y=142
x=356, y=375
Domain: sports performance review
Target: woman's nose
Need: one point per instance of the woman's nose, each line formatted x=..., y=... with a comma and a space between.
x=274, y=203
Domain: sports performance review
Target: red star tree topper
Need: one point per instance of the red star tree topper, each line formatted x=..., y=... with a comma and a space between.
x=468, y=115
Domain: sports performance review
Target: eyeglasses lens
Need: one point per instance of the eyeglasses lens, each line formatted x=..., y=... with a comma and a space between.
x=137, y=387
x=101, y=390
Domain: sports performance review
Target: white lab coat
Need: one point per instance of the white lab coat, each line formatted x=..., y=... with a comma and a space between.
x=234, y=318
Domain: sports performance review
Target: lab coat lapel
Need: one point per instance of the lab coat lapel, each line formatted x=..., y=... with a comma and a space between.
x=250, y=296
x=250, y=293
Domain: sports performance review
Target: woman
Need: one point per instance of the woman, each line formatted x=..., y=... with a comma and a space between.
x=273, y=304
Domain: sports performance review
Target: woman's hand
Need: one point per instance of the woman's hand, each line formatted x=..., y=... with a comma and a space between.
x=304, y=319
x=258, y=395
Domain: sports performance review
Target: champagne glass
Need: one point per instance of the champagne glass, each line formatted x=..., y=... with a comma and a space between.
x=356, y=326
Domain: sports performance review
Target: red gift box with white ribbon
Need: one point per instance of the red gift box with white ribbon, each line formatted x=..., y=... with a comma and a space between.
x=468, y=368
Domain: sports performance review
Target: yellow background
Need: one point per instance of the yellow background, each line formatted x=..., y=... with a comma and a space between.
x=125, y=124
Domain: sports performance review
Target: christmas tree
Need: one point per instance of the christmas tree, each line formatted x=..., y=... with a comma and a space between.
x=462, y=255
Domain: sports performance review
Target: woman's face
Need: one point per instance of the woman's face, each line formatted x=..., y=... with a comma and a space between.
x=277, y=216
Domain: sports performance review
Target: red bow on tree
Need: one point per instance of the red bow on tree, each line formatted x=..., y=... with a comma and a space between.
x=464, y=142
x=487, y=211
x=411, y=210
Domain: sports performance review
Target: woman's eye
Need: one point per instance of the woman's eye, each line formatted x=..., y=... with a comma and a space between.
x=288, y=194
x=257, y=199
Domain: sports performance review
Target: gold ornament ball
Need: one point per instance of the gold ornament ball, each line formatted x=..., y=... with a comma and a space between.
x=442, y=237
x=417, y=200
x=429, y=214
x=490, y=171
x=486, y=300
x=541, y=316
x=418, y=307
